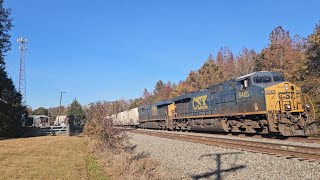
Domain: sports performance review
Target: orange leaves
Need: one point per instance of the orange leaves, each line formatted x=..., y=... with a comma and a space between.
x=283, y=54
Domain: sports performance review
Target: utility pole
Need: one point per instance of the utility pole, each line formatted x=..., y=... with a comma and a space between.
x=60, y=105
x=22, y=72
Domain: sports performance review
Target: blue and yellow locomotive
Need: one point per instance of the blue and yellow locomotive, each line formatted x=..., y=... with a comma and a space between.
x=260, y=102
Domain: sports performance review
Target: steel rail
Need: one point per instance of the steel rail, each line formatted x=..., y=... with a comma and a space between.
x=278, y=149
x=302, y=139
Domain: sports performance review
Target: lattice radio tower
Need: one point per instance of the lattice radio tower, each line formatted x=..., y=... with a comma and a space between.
x=22, y=73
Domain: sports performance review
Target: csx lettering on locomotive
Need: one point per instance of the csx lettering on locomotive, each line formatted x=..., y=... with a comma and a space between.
x=199, y=103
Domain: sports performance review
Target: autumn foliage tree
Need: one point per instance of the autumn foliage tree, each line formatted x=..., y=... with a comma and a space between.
x=311, y=76
x=100, y=127
x=295, y=57
x=181, y=88
x=245, y=62
x=283, y=55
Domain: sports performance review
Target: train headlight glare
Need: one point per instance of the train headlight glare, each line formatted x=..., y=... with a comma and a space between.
x=288, y=107
x=286, y=87
x=307, y=106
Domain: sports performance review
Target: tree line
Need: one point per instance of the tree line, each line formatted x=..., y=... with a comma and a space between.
x=297, y=58
x=75, y=109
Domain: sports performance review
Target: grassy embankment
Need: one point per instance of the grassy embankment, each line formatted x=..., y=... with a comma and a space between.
x=49, y=157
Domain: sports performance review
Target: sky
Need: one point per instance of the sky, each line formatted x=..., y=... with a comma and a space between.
x=106, y=50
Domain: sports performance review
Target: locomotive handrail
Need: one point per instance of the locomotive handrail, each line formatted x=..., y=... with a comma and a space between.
x=275, y=105
x=274, y=110
x=313, y=110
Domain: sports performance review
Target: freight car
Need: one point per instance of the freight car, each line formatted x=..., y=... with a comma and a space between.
x=260, y=102
x=126, y=118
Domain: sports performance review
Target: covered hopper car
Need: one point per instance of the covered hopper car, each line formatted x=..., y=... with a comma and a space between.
x=260, y=102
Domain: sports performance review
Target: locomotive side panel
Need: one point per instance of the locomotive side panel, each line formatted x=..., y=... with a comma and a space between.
x=223, y=98
x=250, y=98
x=143, y=113
x=157, y=115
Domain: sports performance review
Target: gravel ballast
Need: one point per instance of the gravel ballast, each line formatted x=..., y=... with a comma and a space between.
x=267, y=140
x=186, y=160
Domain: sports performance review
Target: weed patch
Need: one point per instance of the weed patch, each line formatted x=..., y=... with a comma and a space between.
x=93, y=168
x=112, y=148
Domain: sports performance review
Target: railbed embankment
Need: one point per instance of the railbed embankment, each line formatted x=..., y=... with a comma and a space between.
x=188, y=160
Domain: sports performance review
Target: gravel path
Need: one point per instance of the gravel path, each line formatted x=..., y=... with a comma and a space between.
x=186, y=160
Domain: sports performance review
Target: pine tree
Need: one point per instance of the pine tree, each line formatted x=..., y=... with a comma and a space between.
x=11, y=108
x=75, y=109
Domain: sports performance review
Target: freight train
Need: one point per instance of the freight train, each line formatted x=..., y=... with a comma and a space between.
x=260, y=102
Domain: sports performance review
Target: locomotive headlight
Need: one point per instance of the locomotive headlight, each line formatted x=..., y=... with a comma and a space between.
x=286, y=87
x=287, y=107
x=307, y=107
x=287, y=96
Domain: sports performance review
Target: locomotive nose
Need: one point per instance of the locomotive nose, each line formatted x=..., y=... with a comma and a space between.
x=285, y=103
x=289, y=98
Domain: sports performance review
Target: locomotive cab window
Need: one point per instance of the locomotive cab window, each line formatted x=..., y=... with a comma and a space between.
x=262, y=79
x=277, y=77
x=243, y=84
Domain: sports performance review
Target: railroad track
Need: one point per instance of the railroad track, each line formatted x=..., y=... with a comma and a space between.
x=277, y=137
x=305, y=139
x=305, y=153
x=311, y=139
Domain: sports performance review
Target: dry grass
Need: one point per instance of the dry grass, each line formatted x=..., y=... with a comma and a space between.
x=49, y=157
x=125, y=164
x=112, y=148
x=61, y=157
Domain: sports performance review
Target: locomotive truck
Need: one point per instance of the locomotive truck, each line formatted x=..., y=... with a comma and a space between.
x=260, y=102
